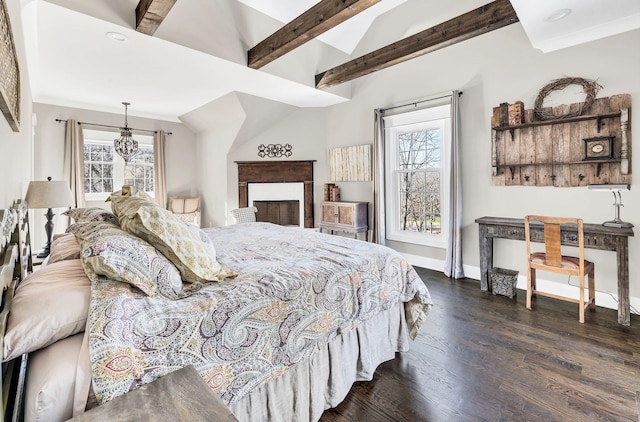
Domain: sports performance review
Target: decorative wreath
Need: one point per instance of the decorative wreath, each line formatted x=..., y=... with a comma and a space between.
x=589, y=87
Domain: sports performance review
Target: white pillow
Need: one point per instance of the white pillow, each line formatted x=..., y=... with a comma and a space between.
x=51, y=381
x=50, y=304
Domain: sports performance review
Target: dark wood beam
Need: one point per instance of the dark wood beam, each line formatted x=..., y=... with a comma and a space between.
x=151, y=13
x=477, y=22
x=320, y=18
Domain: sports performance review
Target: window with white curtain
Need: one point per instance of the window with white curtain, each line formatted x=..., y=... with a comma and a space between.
x=417, y=175
x=105, y=170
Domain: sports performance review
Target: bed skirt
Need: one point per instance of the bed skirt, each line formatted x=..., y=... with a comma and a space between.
x=321, y=382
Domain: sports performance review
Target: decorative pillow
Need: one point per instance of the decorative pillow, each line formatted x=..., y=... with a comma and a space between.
x=51, y=381
x=63, y=247
x=80, y=215
x=244, y=215
x=173, y=238
x=49, y=305
x=128, y=191
x=205, y=239
x=107, y=251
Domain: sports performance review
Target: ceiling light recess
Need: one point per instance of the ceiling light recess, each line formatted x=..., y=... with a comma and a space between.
x=116, y=36
x=558, y=15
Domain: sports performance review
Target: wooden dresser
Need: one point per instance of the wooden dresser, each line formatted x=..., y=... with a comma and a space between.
x=344, y=216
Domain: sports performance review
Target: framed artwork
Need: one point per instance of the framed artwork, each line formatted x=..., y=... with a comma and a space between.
x=350, y=164
x=9, y=72
x=598, y=148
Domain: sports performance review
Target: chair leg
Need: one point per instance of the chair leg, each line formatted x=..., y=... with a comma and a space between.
x=592, y=290
x=582, y=298
x=531, y=277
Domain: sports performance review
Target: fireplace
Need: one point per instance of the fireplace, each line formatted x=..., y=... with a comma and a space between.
x=274, y=186
x=284, y=213
x=278, y=203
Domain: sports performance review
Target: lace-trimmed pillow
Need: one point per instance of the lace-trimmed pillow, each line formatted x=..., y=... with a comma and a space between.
x=173, y=238
x=110, y=252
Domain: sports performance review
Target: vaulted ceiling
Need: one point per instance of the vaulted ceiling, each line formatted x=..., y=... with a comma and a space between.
x=87, y=54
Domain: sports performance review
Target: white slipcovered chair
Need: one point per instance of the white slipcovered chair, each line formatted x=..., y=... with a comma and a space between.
x=244, y=215
x=186, y=208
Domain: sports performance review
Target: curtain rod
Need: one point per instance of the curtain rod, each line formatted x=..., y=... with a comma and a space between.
x=115, y=127
x=415, y=103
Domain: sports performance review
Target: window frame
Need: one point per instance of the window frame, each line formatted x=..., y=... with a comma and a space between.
x=103, y=137
x=438, y=116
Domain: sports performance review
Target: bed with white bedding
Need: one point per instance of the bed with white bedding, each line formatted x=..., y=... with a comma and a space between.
x=306, y=316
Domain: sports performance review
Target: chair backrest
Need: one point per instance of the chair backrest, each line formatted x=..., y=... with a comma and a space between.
x=244, y=215
x=186, y=208
x=552, y=237
x=184, y=204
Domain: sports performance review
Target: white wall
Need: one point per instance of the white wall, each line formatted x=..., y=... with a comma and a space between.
x=500, y=66
x=16, y=147
x=305, y=131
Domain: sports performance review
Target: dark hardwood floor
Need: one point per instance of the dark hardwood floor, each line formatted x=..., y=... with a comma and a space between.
x=481, y=357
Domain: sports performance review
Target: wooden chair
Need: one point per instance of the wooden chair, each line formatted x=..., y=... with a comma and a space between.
x=552, y=260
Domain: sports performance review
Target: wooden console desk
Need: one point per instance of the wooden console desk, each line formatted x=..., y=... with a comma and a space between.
x=596, y=236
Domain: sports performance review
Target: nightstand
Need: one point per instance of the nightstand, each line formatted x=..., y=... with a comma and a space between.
x=179, y=396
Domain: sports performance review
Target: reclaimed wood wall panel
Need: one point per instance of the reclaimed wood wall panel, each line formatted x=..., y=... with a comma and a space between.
x=552, y=152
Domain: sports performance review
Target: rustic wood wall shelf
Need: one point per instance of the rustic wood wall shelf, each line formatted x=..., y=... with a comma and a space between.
x=552, y=152
x=557, y=121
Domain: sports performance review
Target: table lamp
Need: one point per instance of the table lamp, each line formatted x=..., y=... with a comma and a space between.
x=48, y=194
x=617, y=203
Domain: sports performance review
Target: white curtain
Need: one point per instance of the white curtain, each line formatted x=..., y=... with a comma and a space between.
x=160, y=175
x=379, y=233
x=73, y=167
x=74, y=160
x=453, y=262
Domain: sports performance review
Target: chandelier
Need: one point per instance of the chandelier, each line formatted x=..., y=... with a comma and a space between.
x=126, y=146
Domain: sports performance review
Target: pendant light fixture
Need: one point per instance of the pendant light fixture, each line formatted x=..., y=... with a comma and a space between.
x=126, y=146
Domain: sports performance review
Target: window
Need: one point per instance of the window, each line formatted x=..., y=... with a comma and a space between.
x=105, y=171
x=416, y=174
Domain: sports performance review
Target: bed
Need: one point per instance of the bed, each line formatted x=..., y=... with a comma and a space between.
x=293, y=320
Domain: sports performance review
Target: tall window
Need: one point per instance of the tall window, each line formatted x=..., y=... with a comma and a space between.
x=105, y=171
x=416, y=175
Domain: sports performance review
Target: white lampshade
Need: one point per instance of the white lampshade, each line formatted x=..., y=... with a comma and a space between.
x=49, y=194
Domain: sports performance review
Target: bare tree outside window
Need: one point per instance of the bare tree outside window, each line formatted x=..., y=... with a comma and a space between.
x=98, y=168
x=139, y=172
x=419, y=170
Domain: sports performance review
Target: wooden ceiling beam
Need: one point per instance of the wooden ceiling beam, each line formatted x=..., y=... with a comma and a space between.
x=484, y=19
x=320, y=18
x=151, y=13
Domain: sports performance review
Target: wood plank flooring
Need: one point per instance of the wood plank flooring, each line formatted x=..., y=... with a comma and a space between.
x=483, y=357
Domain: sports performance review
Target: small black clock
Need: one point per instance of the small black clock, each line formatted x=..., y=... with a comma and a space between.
x=598, y=148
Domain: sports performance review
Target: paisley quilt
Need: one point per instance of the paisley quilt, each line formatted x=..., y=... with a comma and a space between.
x=296, y=290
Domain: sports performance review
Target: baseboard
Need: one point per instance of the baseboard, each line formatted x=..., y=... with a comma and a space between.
x=604, y=299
